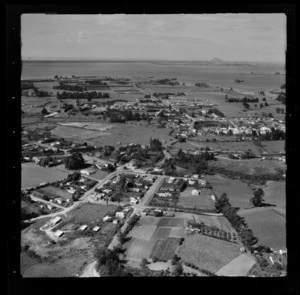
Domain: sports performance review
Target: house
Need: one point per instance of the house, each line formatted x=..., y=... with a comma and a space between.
x=96, y=228
x=202, y=181
x=58, y=200
x=120, y=215
x=195, y=192
x=83, y=227
x=58, y=233
x=127, y=209
x=213, y=198
x=195, y=176
x=55, y=220
x=71, y=190
x=192, y=182
x=133, y=201
x=88, y=171
x=106, y=218
x=115, y=221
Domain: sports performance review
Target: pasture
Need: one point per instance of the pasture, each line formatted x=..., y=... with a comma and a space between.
x=202, y=201
x=268, y=226
x=237, y=191
x=33, y=175
x=207, y=253
x=275, y=193
x=253, y=166
x=89, y=214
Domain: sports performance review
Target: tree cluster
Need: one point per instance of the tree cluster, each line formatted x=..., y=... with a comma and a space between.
x=216, y=112
x=166, y=81
x=223, y=205
x=257, y=200
x=281, y=97
x=202, y=85
x=40, y=93
x=82, y=95
x=75, y=161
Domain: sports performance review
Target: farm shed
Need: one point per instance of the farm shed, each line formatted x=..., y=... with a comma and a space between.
x=58, y=233
x=83, y=227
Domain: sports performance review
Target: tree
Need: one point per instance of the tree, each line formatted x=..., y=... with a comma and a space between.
x=278, y=110
x=178, y=270
x=74, y=162
x=257, y=200
x=175, y=259
x=221, y=202
x=270, y=115
x=261, y=105
x=44, y=111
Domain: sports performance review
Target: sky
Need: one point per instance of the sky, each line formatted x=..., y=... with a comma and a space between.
x=230, y=37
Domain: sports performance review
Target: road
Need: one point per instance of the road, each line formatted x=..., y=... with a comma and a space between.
x=90, y=270
x=137, y=209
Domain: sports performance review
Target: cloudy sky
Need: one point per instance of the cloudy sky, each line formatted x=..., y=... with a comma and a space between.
x=236, y=37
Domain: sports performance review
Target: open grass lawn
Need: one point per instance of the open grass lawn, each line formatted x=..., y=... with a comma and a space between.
x=139, y=249
x=268, y=226
x=127, y=133
x=89, y=214
x=207, y=253
x=274, y=146
x=76, y=133
x=52, y=192
x=253, y=166
x=143, y=232
x=237, y=191
x=100, y=174
x=33, y=175
x=45, y=270
x=165, y=249
x=202, y=201
x=275, y=193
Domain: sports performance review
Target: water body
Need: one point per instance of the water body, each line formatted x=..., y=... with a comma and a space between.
x=263, y=77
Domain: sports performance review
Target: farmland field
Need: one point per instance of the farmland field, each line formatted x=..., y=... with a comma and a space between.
x=76, y=133
x=275, y=193
x=253, y=166
x=207, y=253
x=89, y=213
x=202, y=201
x=33, y=175
x=100, y=174
x=268, y=226
x=237, y=191
x=165, y=249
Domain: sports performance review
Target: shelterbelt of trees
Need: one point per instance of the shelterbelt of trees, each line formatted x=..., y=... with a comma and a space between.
x=82, y=95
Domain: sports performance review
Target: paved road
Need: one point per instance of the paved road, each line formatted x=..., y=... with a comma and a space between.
x=239, y=266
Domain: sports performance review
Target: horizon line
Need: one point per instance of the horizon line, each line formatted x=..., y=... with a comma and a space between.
x=47, y=59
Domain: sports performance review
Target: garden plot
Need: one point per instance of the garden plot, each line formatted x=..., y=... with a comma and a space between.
x=171, y=222
x=161, y=233
x=164, y=250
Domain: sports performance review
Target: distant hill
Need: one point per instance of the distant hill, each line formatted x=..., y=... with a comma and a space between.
x=218, y=61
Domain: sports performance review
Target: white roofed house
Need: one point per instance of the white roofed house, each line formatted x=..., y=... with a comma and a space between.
x=83, y=227
x=106, y=218
x=120, y=215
